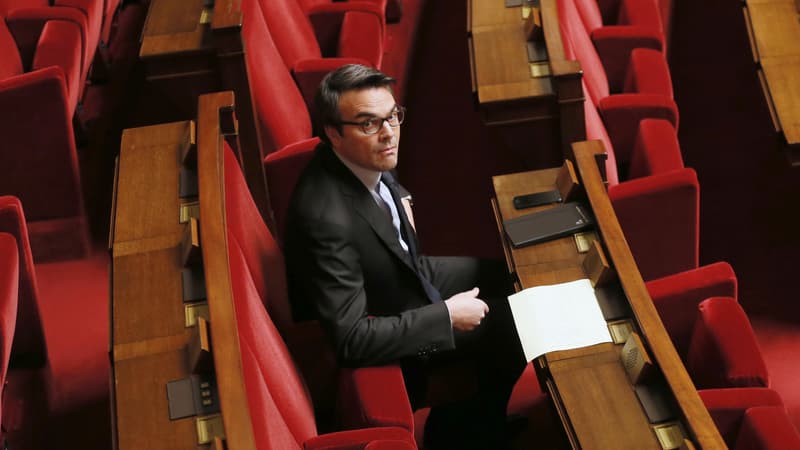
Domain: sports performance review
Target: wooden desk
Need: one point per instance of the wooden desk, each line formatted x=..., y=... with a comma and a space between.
x=187, y=50
x=589, y=386
x=774, y=30
x=513, y=93
x=150, y=339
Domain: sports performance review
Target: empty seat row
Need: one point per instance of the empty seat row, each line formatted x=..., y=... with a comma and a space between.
x=59, y=366
x=47, y=50
x=94, y=18
x=629, y=107
x=39, y=89
x=751, y=418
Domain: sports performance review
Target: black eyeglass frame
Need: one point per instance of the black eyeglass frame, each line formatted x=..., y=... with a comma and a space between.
x=399, y=111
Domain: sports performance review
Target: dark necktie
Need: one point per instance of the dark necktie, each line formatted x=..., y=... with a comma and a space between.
x=431, y=291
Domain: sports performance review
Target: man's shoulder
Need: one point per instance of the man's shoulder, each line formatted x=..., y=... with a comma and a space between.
x=318, y=193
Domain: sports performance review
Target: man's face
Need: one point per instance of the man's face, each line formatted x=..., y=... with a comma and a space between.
x=376, y=152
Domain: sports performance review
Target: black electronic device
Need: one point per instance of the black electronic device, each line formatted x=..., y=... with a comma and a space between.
x=552, y=223
x=536, y=199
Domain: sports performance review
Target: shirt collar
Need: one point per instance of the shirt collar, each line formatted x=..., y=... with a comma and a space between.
x=370, y=178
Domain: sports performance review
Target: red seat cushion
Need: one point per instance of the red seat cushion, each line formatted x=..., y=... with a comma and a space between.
x=60, y=45
x=249, y=235
x=9, y=284
x=281, y=113
x=723, y=351
x=767, y=428
x=9, y=54
x=74, y=306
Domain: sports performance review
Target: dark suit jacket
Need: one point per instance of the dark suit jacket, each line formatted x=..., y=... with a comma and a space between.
x=346, y=266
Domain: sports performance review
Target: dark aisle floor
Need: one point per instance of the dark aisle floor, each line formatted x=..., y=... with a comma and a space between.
x=750, y=195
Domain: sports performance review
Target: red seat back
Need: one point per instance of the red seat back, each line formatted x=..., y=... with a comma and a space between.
x=29, y=346
x=280, y=406
x=578, y=45
x=283, y=169
x=249, y=236
x=281, y=112
x=723, y=351
x=291, y=29
x=9, y=282
x=10, y=61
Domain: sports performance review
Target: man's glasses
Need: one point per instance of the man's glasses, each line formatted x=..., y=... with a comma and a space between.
x=374, y=124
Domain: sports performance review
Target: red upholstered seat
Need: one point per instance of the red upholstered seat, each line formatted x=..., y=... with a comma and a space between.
x=9, y=282
x=767, y=428
x=637, y=88
x=723, y=350
x=605, y=64
x=708, y=327
x=38, y=159
x=31, y=42
x=281, y=112
x=61, y=341
x=29, y=348
x=393, y=9
x=603, y=13
x=618, y=26
x=751, y=418
x=86, y=14
x=260, y=294
x=656, y=199
x=332, y=35
x=283, y=169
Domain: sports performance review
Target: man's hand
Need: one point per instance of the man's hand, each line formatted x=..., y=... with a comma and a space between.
x=466, y=310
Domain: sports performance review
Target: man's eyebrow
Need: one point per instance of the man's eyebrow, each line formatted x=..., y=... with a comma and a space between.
x=369, y=114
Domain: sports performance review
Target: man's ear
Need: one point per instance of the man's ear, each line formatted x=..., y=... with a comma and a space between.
x=333, y=135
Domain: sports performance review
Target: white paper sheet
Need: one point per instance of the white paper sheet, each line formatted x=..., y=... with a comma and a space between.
x=558, y=317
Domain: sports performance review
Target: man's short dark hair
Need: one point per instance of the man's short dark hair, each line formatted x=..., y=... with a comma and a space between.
x=346, y=78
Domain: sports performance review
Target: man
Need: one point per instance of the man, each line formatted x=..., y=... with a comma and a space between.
x=353, y=262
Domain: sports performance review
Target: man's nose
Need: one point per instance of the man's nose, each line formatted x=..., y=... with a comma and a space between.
x=387, y=131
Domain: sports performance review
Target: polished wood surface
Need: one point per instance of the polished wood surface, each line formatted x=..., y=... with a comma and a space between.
x=654, y=334
x=149, y=336
x=483, y=13
x=783, y=77
x=592, y=380
x=187, y=50
x=148, y=303
x=774, y=30
x=513, y=92
x=589, y=386
x=172, y=26
x=151, y=343
x=225, y=334
x=141, y=401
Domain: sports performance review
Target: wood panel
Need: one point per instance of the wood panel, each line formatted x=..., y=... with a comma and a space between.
x=225, y=334
x=700, y=425
x=783, y=79
x=187, y=50
x=585, y=381
x=544, y=97
x=493, y=12
x=141, y=403
x=774, y=30
x=147, y=186
x=147, y=296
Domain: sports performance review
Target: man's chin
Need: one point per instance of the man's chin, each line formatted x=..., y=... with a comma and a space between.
x=388, y=162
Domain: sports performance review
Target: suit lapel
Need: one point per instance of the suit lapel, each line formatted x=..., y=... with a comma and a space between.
x=408, y=231
x=376, y=218
x=365, y=206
